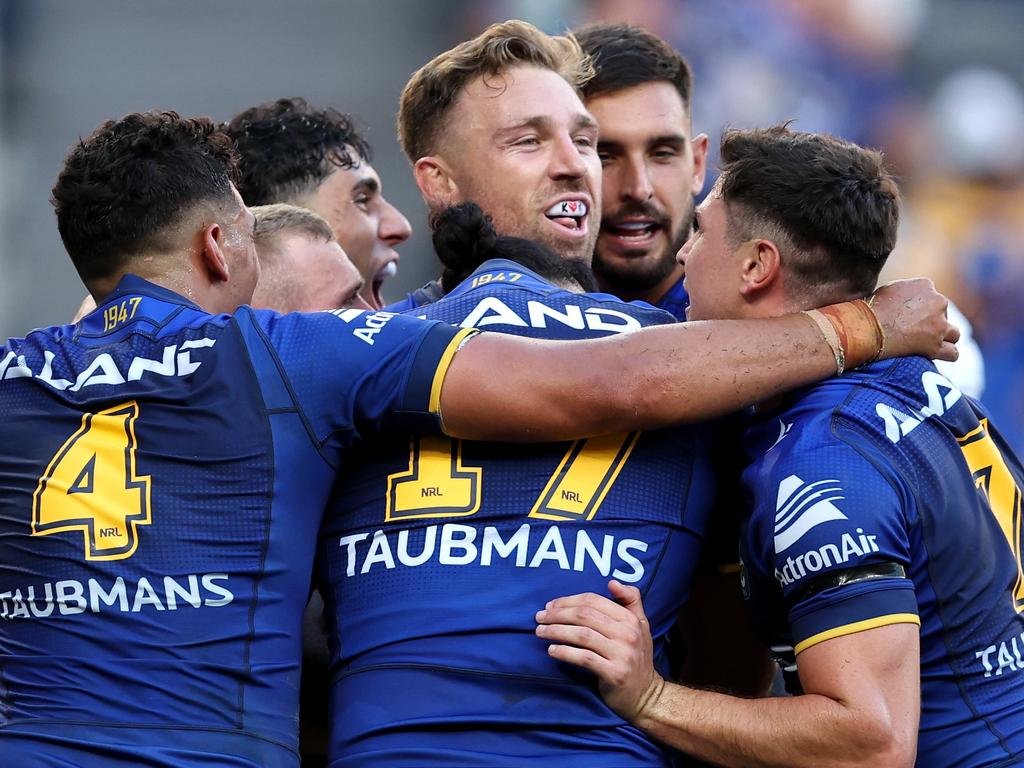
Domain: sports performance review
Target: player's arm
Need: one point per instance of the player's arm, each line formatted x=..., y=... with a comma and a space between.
x=501, y=387
x=860, y=708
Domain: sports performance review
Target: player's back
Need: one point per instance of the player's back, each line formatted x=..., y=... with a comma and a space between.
x=161, y=477
x=437, y=553
x=892, y=464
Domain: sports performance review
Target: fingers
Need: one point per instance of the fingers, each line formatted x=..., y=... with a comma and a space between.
x=948, y=352
x=593, y=601
x=580, y=657
x=578, y=636
x=629, y=598
x=952, y=334
x=594, y=622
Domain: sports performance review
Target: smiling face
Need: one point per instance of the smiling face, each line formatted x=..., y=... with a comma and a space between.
x=367, y=226
x=652, y=169
x=522, y=146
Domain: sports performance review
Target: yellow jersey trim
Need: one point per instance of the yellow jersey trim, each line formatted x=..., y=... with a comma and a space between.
x=858, y=626
x=454, y=346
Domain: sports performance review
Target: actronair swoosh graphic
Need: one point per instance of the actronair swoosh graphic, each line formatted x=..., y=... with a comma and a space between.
x=801, y=506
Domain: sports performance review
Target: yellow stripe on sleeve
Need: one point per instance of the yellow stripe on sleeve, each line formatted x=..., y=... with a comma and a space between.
x=858, y=626
x=454, y=346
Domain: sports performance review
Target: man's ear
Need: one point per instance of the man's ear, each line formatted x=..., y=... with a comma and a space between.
x=436, y=183
x=700, y=163
x=762, y=268
x=212, y=257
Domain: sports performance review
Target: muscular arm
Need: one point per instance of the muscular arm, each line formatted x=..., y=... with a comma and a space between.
x=861, y=705
x=507, y=388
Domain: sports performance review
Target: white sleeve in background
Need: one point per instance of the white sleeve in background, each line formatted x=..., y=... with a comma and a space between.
x=968, y=372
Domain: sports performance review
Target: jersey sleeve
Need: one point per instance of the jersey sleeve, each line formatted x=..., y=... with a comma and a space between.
x=830, y=530
x=355, y=372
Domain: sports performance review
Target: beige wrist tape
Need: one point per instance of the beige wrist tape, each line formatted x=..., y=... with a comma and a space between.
x=851, y=330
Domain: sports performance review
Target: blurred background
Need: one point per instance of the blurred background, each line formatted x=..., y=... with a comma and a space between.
x=936, y=84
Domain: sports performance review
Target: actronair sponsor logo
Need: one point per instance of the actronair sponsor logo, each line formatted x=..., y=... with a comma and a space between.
x=801, y=506
x=372, y=322
x=826, y=556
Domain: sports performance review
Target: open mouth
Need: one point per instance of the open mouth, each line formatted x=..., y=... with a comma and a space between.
x=569, y=214
x=388, y=270
x=633, y=231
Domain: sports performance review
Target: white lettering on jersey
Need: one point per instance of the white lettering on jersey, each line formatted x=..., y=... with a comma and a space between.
x=801, y=506
x=461, y=545
x=493, y=311
x=71, y=597
x=173, y=361
x=942, y=395
x=826, y=556
x=1008, y=656
x=373, y=324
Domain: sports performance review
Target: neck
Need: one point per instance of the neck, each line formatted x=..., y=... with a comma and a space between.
x=185, y=279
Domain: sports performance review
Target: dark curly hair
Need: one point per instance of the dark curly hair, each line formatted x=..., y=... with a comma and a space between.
x=625, y=56
x=288, y=147
x=830, y=205
x=124, y=186
x=464, y=238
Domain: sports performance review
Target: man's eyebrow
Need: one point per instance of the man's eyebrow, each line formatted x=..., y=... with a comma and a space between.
x=537, y=121
x=586, y=120
x=669, y=139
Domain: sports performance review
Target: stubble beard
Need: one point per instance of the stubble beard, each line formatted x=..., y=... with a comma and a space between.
x=639, y=276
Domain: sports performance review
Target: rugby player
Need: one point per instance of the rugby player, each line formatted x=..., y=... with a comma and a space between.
x=433, y=552
x=652, y=164
x=883, y=549
x=293, y=152
x=498, y=120
x=167, y=458
x=302, y=266
x=303, y=269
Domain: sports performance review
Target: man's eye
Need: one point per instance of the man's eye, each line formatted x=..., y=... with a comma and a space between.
x=528, y=141
x=584, y=141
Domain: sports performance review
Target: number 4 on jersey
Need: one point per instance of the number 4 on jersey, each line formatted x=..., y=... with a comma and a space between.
x=91, y=486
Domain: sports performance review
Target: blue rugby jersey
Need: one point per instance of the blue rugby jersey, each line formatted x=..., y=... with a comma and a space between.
x=436, y=554
x=888, y=466
x=675, y=301
x=162, y=475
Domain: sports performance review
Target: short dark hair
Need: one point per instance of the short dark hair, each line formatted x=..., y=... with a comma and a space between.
x=125, y=185
x=288, y=147
x=464, y=238
x=828, y=202
x=624, y=56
